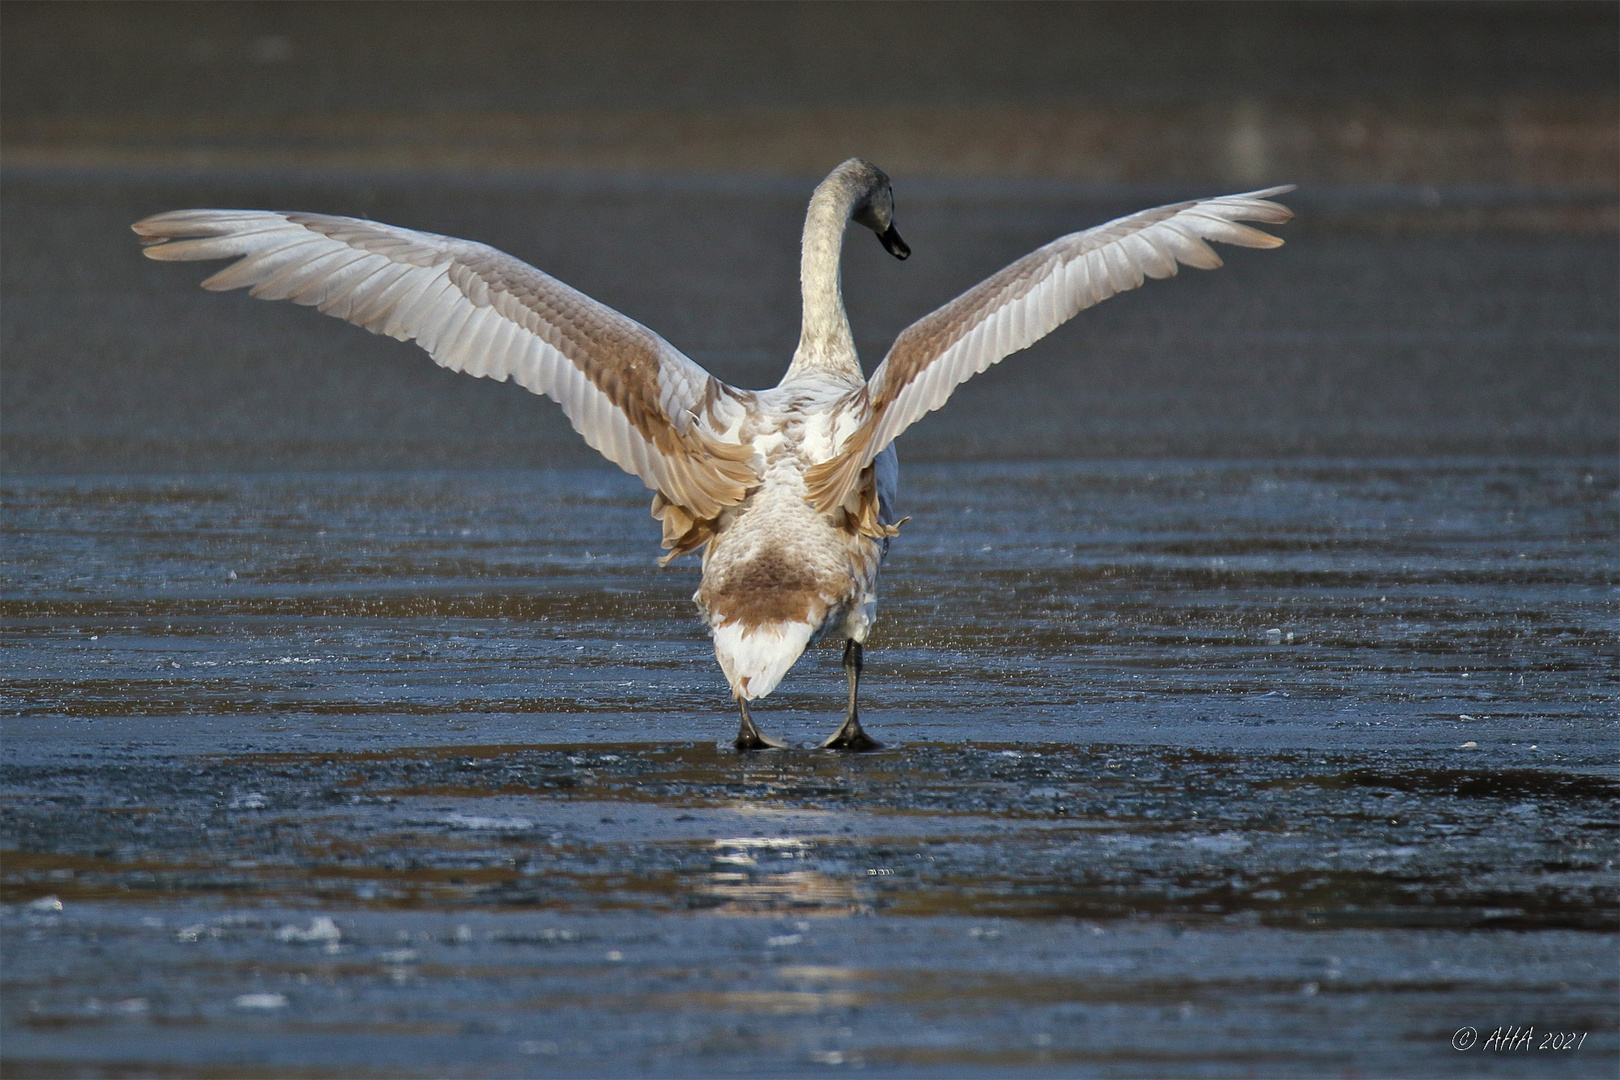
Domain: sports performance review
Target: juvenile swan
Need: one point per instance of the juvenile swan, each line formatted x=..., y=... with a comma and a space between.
x=791, y=489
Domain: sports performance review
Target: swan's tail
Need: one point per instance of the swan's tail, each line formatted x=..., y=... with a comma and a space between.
x=755, y=658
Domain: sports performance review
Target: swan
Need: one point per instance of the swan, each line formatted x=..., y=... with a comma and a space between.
x=790, y=491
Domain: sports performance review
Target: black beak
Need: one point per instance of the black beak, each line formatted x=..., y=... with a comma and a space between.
x=893, y=244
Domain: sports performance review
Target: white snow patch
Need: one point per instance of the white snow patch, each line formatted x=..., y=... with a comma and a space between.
x=260, y=1001
x=322, y=930
x=478, y=821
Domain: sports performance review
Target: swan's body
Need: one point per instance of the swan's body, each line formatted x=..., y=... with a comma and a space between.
x=790, y=491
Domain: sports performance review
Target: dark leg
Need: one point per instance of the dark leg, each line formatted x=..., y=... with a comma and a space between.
x=850, y=736
x=748, y=736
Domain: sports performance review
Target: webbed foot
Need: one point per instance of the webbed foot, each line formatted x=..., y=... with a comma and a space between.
x=850, y=737
x=749, y=736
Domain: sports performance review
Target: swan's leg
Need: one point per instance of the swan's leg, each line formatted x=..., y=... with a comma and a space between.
x=850, y=736
x=748, y=736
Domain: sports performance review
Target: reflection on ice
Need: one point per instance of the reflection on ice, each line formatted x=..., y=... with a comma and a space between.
x=760, y=875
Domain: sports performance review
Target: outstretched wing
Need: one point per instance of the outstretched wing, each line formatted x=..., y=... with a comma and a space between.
x=1028, y=300
x=634, y=397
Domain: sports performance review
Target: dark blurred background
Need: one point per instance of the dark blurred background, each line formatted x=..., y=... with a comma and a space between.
x=1450, y=286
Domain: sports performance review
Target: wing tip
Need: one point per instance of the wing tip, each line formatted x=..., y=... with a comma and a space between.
x=1257, y=205
x=185, y=224
x=153, y=230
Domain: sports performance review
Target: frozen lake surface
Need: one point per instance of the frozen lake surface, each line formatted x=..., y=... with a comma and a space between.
x=1192, y=768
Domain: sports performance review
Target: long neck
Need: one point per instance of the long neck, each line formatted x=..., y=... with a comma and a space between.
x=825, y=342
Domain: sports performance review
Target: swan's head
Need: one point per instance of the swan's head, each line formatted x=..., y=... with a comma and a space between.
x=874, y=204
